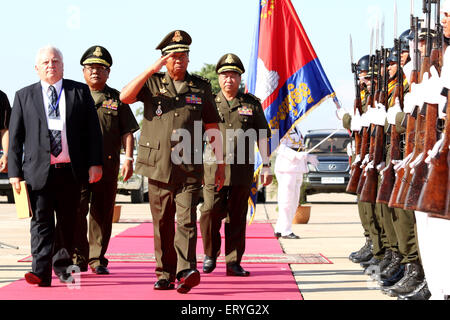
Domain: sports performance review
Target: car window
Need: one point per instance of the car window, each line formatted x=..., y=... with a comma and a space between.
x=332, y=145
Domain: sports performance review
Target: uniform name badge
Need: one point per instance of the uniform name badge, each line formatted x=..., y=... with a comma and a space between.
x=55, y=124
x=159, y=111
x=245, y=111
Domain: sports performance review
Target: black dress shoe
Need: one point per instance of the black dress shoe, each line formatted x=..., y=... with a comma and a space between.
x=236, y=270
x=209, y=264
x=187, y=280
x=32, y=278
x=101, y=270
x=277, y=235
x=164, y=284
x=291, y=236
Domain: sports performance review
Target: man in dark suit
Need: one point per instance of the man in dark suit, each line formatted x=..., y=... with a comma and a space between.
x=55, y=145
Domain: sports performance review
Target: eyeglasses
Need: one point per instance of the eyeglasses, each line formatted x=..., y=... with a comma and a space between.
x=98, y=68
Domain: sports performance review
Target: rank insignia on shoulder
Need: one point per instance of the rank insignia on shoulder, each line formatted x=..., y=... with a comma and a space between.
x=245, y=111
x=163, y=90
x=193, y=99
x=110, y=104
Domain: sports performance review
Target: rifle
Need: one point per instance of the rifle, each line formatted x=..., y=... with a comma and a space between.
x=356, y=166
x=369, y=190
x=388, y=174
x=431, y=118
x=367, y=142
x=410, y=120
x=434, y=193
x=419, y=135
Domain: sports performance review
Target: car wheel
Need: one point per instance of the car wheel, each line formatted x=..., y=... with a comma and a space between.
x=137, y=196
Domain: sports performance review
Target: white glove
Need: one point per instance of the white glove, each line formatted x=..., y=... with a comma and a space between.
x=392, y=112
x=369, y=166
x=408, y=99
x=399, y=164
x=381, y=166
x=433, y=152
x=433, y=88
x=364, y=121
x=379, y=115
x=357, y=159
x=356, y=122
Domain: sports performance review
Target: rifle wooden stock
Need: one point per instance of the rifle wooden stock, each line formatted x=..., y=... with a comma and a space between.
x=434, y=193
x=421, y=168
x=388, y=176
x=418, y=144
x=447, y=206
x=371, y=142
x=352, y=185
x=418, y=148
x=369, y=190
x=409, y=147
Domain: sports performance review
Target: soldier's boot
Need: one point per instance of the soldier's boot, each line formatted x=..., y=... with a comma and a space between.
x=365, y=255
x=376, y=270
x=364, y=247
x=413, y=277
x=420, y=293
x=393, y=267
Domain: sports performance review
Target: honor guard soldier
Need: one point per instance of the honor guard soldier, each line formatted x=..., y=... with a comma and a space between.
x=118, y=124
x=176, y=103
x=366, y=214
x=241, y=114
x=5, y=113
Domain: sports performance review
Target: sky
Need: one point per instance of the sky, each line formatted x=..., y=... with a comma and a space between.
x=132, y=29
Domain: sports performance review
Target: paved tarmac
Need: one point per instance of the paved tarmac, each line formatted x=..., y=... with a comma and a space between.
x=334, y=230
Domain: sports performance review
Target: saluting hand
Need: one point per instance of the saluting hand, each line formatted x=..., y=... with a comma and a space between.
x=127, y=170
x=161, y=62
x=95, y=174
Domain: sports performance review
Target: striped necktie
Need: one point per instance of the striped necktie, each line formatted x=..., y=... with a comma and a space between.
x=53, y=113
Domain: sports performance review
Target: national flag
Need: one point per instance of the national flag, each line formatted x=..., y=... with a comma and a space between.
x=285, y=73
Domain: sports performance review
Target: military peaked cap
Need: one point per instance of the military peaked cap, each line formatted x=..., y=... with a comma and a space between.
x=96, y=54
x=230, y=62
x=175, y=41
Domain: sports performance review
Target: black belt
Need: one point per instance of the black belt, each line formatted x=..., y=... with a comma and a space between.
x=296, y=149
x=64, y=165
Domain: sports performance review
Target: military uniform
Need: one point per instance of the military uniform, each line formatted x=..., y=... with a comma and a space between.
x=116, y=119
x=174, y=187
x=240, y=116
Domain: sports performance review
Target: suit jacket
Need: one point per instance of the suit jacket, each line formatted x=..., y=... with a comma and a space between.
x=29, y=154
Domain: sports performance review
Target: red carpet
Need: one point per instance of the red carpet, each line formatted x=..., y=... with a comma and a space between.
x=134, y=280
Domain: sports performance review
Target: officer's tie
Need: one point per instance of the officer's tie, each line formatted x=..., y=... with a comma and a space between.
x=53, y=113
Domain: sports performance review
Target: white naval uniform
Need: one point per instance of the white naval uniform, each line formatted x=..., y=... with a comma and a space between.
x=290, y=166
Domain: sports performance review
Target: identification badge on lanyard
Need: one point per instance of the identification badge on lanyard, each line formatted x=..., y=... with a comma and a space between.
x=56, y=124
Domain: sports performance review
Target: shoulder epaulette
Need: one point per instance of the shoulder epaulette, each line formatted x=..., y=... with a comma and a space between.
x=254, y=97
x=200, y=77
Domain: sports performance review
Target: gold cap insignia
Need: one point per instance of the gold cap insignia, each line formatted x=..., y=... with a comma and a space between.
x=229, y=59
x=177, y=37
x=98, y=52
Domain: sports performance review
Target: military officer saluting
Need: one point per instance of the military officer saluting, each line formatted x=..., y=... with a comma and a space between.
x=175, y=103
x=240, y=114
x=118, y=125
